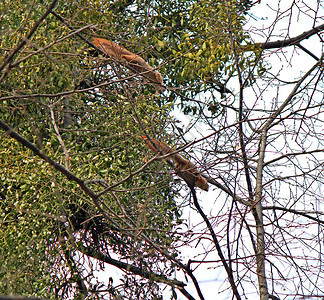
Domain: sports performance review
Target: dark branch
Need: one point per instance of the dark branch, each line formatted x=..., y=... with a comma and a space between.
x=74, y=269
x=297, y=212
x=42, y=155
x=216, y=243
x=307, y=51
x=226, y=190
x=72, y=29
x=292, y=154
x=292, y=41
x=137, y=271
x=131, y=268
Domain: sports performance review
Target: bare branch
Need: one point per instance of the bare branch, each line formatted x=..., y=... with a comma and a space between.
x=307, y=51
x=216, y=243
x=276, y=113
x=292, y=154
x=137, y=271
x=297, y=212
x=292, y=41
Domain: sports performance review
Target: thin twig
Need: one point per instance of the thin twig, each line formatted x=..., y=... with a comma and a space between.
x=58, y=135
x=216, y=243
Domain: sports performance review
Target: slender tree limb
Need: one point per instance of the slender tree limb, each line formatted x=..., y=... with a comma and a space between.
x=258, y=189
x=137, y=271
x=297, y=212
x=216, y=243
x=260, y=255
x=186, y=294
x=76, y=32
x=130, y=268
x=291, y=154
x=257, y=197
x=276, y=113
x=59, y=137
x=226, y=190
x=291, y=41
x=17, y=62
x=307, y=51
x=67, y=93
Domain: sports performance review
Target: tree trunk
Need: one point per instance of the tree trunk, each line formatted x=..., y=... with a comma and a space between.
x=260, y=255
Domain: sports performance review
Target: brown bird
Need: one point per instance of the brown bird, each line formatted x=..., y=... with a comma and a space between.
x=131, y=60
x=185, y=167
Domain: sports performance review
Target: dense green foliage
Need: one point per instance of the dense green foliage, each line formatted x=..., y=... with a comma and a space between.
x=48, y=226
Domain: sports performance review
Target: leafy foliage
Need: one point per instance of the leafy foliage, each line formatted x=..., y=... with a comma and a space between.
x=87, y=113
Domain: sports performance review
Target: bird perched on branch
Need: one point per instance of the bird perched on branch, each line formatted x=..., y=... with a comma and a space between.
x=185, y=168
x=131, y=60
